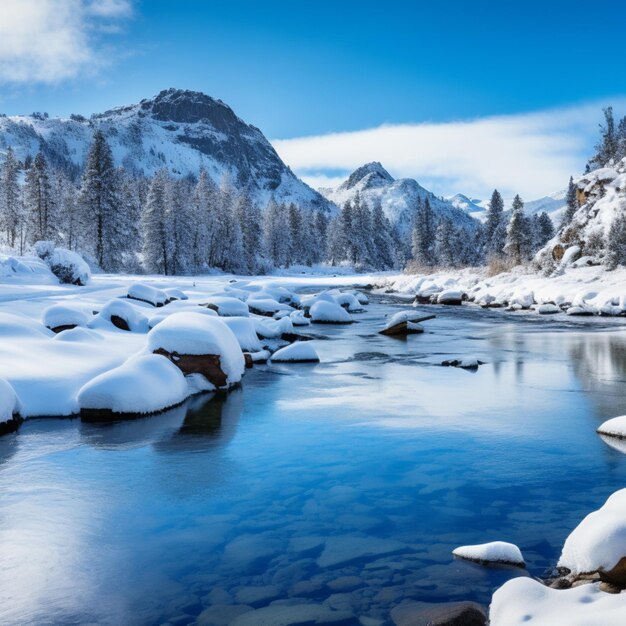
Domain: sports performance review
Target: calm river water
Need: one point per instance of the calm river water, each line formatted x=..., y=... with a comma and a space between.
x=344, y=484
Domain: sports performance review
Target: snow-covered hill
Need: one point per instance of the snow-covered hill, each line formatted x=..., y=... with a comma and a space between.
x=554, y=205
x=398, y=198
x=179, y=130
x=472, y=206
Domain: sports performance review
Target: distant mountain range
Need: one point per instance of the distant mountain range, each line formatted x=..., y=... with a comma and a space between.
x=178, y=130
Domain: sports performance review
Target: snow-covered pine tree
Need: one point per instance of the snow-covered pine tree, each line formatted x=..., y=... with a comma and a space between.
x=132, y=196
x=616, y=242
x=38, y=202
x=518, y=238
x=101, y=219
x=274, y=233
x=543, y=230
x=607, y=147
x=180, y=218
x=423, y=236
x=295, y=225
x=320, y=243
x=382, y=240
x=156, y=248
x=248, y=214
x=227, y=240
x=11, y=213
x=204, y=207
x=494, y=226
x=67, y=222
x=445, y=241
x=571, y=203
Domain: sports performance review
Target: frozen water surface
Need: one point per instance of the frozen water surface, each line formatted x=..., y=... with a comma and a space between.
x=337, y=489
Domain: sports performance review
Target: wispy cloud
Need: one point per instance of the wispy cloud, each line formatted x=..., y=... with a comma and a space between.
x=532, y=154
x=48, y=41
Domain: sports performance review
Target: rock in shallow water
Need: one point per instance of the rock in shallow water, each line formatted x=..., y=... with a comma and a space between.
x=296, y=615
x=445, y=614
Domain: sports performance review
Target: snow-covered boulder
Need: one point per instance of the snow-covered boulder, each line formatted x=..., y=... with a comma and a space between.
x=298, y=318
x=598, y=543
x=26, y=270
x=245, y=331
x=308, y=301
x=266, y=306
x=228, y=307
x=200, y=344
x=8, y=408
x=69, y=267
x=494, y=552
x=523, y=299
x=323, y=312
x=348, y=301
x=450, y=296
x=173, y=293
x=298, y=352
x=272, y=329
x=527, y=602
x=60, y=317
x=123, y=315
x=143, y=384
x=547, y=309
x=147, y=293
x=19, y=327
x=404, y=323
x=580, y=311
x=615, y=427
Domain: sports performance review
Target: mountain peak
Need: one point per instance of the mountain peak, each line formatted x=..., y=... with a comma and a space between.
x=372, y=174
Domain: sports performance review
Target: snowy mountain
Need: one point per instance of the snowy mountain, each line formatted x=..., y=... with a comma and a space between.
x=398, y=198
x=554, y=205
x=474, y=207
x=178, y=130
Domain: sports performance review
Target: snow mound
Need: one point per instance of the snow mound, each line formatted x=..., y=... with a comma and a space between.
x=266, y=306
x=527, y=602
x=245, y=331
x=144, y=384
x=116, y=310
x=298, y=318
x=69, y=267
x=8, y=402
x=147, y=293
x=228, y=307
x=599, y=541
x=300, y=351
x=15, y=326
x=173, y=293
x=450, y=296
x=492, y=552
x=348, y=301
x=329, y=313
x=29, y=270
x=60, y=315
x=547, y=309
x=615, y=427
x=198, y=334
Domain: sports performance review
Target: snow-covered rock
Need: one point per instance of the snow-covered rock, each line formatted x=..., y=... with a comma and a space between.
x=450, y=296
x=8, y=407
x=323, y=312
x=615, y=427
x=245, y=331
x=144, y=384
x=348, y=301
x=298, y=318
x=25, y=270
x=260, y=305
x=547, y=309
x=173, y=293
x=184, y=335
x=68, y=266
x=497, y=552
x=63, y=316
x=147, y=293
x=598, y=543
x=527, y=602
x=123, y=315
x=228, y=307
x=298, y=352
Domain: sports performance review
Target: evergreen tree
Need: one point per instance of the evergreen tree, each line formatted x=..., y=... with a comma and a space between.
x=616, y=242
x=607, y=147
x=101, y=218
x=517, y=233
x=154, y=225
x=275, y=233
x=571, y=203
x=544, y=230
x=320, y=237
x=494, y=226
x=382, y=239
x=423, y=236
x=250, y=220
x=10, y=199
x=621, y=138
x=204, y=233
x=39, y=204
x=295, y=253
x=445, y=242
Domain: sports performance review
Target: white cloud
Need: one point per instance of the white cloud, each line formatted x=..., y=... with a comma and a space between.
x=53, y=40
x=532, y=154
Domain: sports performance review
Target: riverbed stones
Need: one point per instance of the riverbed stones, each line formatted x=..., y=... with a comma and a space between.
x=342, y=549
x=439, y=614
x=295, y=615
x=221, y=614
x=259, y=595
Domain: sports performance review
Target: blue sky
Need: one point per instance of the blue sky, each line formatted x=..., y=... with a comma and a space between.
x=301, y=69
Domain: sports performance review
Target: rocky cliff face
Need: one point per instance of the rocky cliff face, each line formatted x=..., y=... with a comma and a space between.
x=179, y=130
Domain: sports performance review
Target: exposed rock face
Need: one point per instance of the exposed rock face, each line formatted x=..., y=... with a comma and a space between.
x=119, y=322
x=206, y=364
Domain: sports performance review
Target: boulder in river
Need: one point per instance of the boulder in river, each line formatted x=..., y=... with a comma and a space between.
x=439, y=614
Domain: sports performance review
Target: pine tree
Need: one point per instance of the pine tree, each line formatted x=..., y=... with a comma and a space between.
x=10, y=199
x=320, y=237
x=250, y=220
x=616, y=242
x=100, y=215
x=295, y=224
x=382, y=239
x=607, y=147
x=204, y=203
x=423, y=236
x=544, y=230
x=517, y=242
x=154, y=225
x=180, y=218
x=571, y=203
x=494, y=230
x=621, y=138
x=39, y=204
x=445, y=240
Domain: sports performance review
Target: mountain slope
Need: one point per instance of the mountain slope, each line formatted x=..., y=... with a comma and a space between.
x=179, y=130
x=398, y=198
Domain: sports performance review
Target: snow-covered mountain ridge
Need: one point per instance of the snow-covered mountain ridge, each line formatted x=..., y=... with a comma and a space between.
x=182, y=131
x=398, y=198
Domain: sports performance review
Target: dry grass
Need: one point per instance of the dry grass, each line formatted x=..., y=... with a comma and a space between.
x=499, y=265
